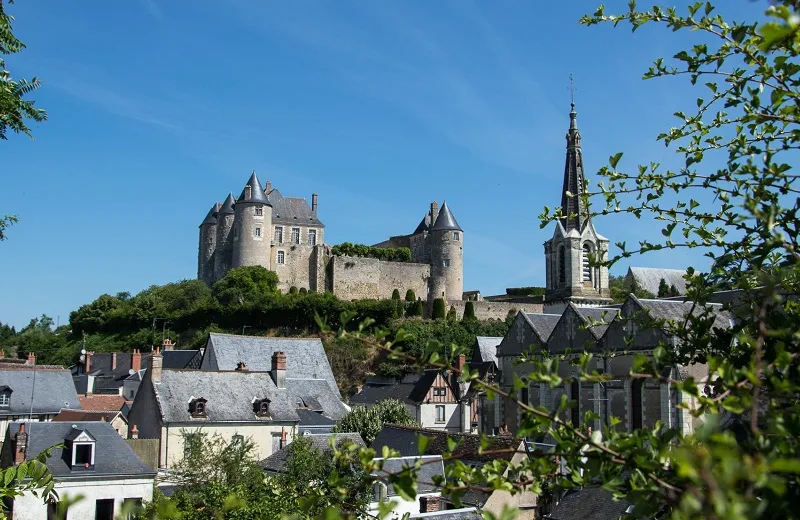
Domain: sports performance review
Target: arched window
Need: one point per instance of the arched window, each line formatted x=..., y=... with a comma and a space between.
x=562, y=265
x=587, y=269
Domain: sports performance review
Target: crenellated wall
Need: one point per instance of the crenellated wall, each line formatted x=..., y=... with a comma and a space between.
x=356, y=278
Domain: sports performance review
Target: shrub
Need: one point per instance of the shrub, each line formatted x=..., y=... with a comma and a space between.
x=438, y=309
x=293, y=290
x=395, y=294
x=400, y=254
x=410, y=296
x=469, y=311
x=419, y=308
x=451, y=314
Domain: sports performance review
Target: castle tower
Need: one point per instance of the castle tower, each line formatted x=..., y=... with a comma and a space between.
x=207, y=246
x=446, y=246
x=252, y=226
x=224, y=250
x=575, y=241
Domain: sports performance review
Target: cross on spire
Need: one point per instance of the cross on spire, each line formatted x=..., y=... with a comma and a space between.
x=572, y=90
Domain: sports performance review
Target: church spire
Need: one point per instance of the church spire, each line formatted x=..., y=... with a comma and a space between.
x=573, y=209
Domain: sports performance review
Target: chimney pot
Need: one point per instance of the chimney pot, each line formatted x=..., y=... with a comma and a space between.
x=87, y=364
x=314, y=203
x=134, y=432
x=283, y=438
x=136, y=360
x=156, y=364
x=167, y=344
x=31, y=359
x=268, y=188
x=20, y=445
x=428, y=504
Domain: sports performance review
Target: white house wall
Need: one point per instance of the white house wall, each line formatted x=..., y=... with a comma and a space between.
x=452, y=419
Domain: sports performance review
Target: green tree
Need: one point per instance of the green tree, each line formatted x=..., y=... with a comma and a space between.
x=410, y=296
x=245, y=285
x=32, y=476
x=663, y=289
x=469, y=311
x=368, y=422
x=438, y=309
x=396, y=294
x=673, y=291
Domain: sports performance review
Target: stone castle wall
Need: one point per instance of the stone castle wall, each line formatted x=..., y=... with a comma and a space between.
x=487, y=310
x=354, y=278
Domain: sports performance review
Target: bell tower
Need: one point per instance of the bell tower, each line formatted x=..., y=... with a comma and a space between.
x=570, y=277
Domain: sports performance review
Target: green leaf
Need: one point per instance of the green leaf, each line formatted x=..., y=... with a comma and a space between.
x=614, y=159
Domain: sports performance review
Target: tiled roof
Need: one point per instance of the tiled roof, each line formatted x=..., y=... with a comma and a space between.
x=227, y=205
x=292, y=210
x=85, y=415
x=230, y=396
x=51, y=390
x=113, y=456
x=375, y=394
x=102, y=402
x=211, y=218
x=320, y=442
x=678, y=310
x=316, y=395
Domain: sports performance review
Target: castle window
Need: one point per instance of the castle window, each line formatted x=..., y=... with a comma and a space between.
x=258, y=232
x=446, y=262
x=587, y=269
x=295, y=235
x=456, y=236
x=281, y=257
x=562, y=265
x=279, y=234
x=259, y=212
x=197, y=407
x=312, y=237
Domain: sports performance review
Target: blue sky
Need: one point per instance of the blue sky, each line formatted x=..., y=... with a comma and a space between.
x=157, y=109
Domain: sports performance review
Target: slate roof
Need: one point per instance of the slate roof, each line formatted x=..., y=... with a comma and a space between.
x=487, y=349
x=96, y=402
x=51, y=389
x=321, y=442
x=464, y=513
x=597, y=314
x=113, y=456
x=649, y=278
x=445, y=220
x=211, y=218
x=678, y=310
x=314, y=422
x=316, y=395
x=424, y=225
x=227, y=205
x=543, y=324
x=405, y=439
x=431, y=467
x=108, y=381
x=292, y=210
x=229, y=396
x=587, y=504
x=257, y=194
x=375, y=394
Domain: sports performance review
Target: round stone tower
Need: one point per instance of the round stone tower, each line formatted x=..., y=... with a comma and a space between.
x=207, y=246
x=446, y=246
x=224, y=250
x=252, y=226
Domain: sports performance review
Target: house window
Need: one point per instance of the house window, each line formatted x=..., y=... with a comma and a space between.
x=378, y=492
x=261, y=407
x=5, y=397
x=258, y=232
x=279, y=234
x=439, y=413
x=456, y=236
x=104, y=509
x=259, y=212
x=587, y=269
x=83, y=454
x=446, y=262
x=237, y=440
x=281, y=257
x=197, y=407
x=439, y=391
x=312, y=237
x=295, y=235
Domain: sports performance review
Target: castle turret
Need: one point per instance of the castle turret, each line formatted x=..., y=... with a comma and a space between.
x=224, y=248
x=252, y=226
x=570, y=277
x=446, y=246
x=207, y=246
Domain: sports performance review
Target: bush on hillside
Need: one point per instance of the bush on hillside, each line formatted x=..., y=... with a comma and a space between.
x=438, y=309
x=469, y=311
x=400, y=254
x=410, y=296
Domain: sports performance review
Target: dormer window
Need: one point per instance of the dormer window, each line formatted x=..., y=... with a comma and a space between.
x=197, y=407
x=5, y=396
x=261, y=407
x=81, y=446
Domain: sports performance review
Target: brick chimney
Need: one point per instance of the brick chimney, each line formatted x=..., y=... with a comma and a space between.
x=428, y=504
x=167, y=345
x=283, y=438
x=134, y=432
x=314, y=203
x=434, y=211
x=31, y=359
x=460, y=362
x=87, y=364
x=155, y=365
x=113, y=361
x=20, y=445
x=279, y=369
x=268, y=188
x=136, y=360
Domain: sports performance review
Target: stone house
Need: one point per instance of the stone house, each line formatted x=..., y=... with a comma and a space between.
x=32, y=392
x=174, y=404
x=95, y=463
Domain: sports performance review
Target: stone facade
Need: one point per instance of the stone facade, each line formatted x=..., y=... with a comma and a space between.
x=364, y=278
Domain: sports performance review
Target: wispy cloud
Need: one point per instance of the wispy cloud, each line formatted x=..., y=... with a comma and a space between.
x=153, y=8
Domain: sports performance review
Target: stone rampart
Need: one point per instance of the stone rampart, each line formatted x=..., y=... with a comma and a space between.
x=488, y=310
x=356, y=278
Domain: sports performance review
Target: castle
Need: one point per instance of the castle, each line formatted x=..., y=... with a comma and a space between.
x=285, y=235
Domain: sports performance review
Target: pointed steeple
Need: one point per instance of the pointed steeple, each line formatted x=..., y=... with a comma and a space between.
x=253, y=192
x=573, y=209
x=211, y=218
x=445, y=220
x=227, y=205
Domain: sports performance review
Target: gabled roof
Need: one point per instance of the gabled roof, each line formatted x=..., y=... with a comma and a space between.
x=649, y=278
x=678, y=311
x=292, y=211
x=229, y=396
x=424, y=383
x=305, y=357
x=51, y=389
x=316, y=395
x=109, y=381
x=542, y=324
x=526, y=331
x=374, y=394
x=320, y=442
x=445, y=220
x=227, y=205
x=113, y=456
x=211, y=218
x=426, y=474
x=486, y=351
x=257, y=194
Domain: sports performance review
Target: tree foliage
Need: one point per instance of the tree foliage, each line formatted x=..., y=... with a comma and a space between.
x=410, y=296
x=243, y=285
x=438, y=312
x=32, y=476
x=368, y=422
x=469, y=311
x=399, y=254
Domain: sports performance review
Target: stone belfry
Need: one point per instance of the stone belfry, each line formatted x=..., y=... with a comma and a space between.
x=570, y=277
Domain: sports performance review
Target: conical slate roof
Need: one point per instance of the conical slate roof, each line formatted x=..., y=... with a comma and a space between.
x=445, y=220
x=211, y=218
x=574, y=211
x=227, y=206
x=256, y=191
x=424, y=225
